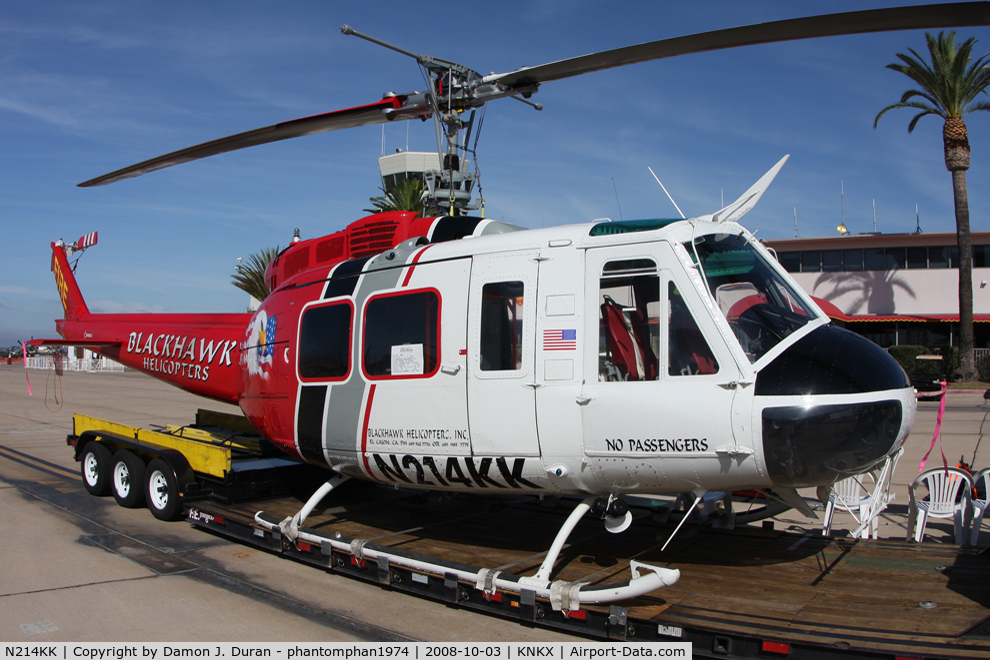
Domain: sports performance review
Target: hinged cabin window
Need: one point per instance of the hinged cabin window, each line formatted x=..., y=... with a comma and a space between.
x=325, y=342
x=401, y=335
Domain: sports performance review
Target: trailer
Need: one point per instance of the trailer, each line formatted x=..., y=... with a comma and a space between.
x=754, y=591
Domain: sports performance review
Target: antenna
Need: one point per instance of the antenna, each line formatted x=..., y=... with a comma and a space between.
x=668, y=194
x=614, y=189
x=917, y=218
x=842, y=200
x=795, y=222
x=874, y=215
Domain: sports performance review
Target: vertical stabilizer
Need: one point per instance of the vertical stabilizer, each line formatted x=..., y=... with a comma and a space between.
x=68, y=290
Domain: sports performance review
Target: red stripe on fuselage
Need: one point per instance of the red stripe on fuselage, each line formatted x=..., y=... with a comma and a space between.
x=364, y=432
x=412, y=266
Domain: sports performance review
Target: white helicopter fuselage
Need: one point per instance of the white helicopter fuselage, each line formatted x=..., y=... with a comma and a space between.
x=603, y=358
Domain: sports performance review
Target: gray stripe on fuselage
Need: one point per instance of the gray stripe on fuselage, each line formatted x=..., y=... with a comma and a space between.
x=343, y=420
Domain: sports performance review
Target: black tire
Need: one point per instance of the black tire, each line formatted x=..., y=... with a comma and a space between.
x=162, y=491
x=94, y=464
x=127, y=479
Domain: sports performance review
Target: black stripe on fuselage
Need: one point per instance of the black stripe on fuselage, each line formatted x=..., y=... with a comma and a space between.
x=344, y=278
x=309, y=430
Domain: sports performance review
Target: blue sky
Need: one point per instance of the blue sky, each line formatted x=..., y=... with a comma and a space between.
x=89, y=87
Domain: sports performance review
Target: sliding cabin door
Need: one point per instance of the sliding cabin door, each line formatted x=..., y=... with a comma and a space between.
x=501, y=374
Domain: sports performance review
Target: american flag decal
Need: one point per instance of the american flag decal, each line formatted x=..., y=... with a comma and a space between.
x=560, y=340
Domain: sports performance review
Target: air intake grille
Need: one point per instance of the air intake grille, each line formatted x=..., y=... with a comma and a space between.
x=372, y=238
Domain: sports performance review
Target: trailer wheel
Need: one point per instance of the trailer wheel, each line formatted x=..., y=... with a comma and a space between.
x=127, y=479
x=95, y=467
x=162, y=491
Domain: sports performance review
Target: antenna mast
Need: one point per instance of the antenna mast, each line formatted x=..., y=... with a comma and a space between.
x=665, y=190
x=842, y=200
x=616, y=190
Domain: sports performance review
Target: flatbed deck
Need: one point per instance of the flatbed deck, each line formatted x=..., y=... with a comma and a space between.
x=748, y=592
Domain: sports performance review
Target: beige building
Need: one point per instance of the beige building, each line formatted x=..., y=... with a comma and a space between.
x=892, y=288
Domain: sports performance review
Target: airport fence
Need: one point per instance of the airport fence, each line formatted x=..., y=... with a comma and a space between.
x=76, y=364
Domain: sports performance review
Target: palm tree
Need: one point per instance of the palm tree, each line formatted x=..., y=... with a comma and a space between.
x=949, y=87
x=408, y=195
x=250, y=276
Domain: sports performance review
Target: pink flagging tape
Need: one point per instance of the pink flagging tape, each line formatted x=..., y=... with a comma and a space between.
x=938, y=429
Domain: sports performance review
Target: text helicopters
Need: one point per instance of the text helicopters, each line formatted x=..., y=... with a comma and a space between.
x=457, y=353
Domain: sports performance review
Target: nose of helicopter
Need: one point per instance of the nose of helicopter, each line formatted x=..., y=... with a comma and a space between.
x=833, y=404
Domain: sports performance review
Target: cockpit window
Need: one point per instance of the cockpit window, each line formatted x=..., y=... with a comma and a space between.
x=759, y=305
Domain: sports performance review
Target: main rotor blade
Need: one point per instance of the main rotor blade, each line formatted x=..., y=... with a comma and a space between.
x=960, y=14
x=365, y=115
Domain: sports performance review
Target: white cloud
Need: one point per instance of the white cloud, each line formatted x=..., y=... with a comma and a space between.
x=113, y=307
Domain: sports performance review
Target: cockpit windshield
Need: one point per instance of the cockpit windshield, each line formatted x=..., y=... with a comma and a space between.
x=760, y=306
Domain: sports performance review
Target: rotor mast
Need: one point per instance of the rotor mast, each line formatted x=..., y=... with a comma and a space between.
x=453, y=89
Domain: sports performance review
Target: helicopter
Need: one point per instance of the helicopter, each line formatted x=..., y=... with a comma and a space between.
x=601, y=360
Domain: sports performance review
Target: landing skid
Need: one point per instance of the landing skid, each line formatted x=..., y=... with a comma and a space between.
x=562, y=595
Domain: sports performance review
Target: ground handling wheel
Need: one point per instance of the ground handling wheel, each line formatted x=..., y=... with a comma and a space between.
x=94, y=463
x=127, y=479
x=162, y=491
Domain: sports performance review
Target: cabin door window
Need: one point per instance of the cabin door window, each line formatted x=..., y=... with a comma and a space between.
x=629, y=321
x=401, y=335
x=502, y=307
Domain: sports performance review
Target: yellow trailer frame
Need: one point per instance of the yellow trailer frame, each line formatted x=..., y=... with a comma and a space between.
x=209, y=445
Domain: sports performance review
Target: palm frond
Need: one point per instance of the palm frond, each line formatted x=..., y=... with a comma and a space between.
x=408, y=195
x=948, y=83
x=250, y=275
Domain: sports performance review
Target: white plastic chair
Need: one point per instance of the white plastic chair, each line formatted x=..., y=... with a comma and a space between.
x=948, y=497
x=979, y=506
x=847, y=495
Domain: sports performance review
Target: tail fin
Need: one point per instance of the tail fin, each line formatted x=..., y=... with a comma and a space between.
x=68, y=290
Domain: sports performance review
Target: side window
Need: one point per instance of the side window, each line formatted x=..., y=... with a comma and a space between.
x=501, y=326
x=629, y=321
x=401, y=335
x=325, y=342
x=690, y=354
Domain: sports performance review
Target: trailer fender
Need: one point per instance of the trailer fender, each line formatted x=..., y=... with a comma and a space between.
x=180, y=467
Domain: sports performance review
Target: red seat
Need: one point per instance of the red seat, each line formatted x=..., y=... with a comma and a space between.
x=628, y=342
